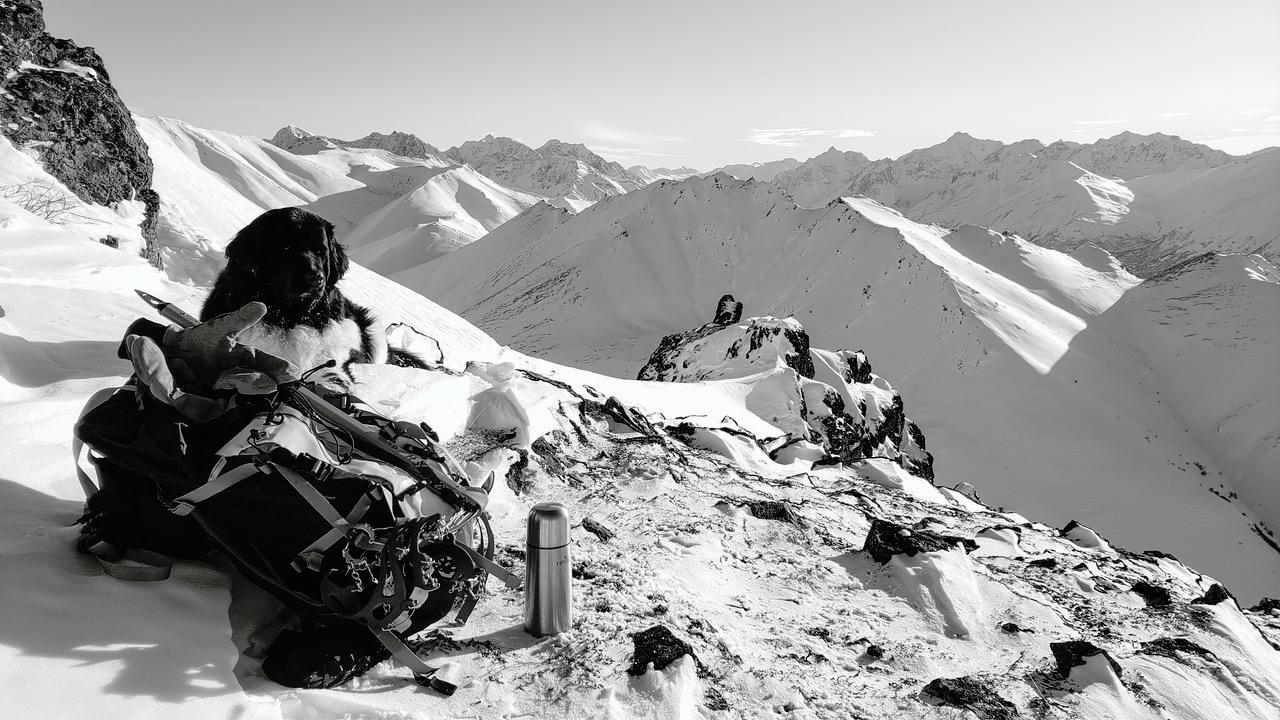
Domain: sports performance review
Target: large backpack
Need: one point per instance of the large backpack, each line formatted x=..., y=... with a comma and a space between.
x=334, y=509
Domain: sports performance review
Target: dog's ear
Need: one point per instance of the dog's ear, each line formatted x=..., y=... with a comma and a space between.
x=338, y=261
x=245, y=248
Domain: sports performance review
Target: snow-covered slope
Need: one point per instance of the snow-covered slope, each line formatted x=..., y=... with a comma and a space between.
x=212, y=183
x=823, y=591
x=1152, y=200
x=393, y=210
x=567, y=174
x=841, y=589
x=763, y=172
x=991, y=338
x=647, y=175
x=421, y=213
x=823, y=177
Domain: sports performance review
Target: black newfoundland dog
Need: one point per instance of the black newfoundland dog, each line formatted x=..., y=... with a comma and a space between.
x=289, y=260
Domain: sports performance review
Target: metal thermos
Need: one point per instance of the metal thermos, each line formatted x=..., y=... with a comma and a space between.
x=547, y=603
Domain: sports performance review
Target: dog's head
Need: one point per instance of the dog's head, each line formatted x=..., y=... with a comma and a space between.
x=288, y=259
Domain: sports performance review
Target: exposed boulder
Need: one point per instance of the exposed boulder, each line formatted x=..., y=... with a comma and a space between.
x=728, y=311
x=59, y=103
x=1214, y=595
x=1173, y=647
x=969, y=693
x=887, y=538
x=658, y=647
x=1152, y=595
x=1078, y=653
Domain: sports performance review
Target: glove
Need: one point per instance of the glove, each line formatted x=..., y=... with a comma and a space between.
x=189, y=367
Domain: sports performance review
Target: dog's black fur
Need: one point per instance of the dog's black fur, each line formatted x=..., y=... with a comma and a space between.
x=289, y=260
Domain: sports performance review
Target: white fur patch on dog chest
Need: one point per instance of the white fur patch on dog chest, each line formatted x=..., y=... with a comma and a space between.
x=307, y=347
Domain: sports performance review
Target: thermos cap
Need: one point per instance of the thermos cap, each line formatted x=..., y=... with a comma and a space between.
x=548, y=525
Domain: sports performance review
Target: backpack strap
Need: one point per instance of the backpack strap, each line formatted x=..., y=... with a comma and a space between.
x=133, y=564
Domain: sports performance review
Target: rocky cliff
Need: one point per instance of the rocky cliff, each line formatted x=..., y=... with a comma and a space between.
x=59, y=104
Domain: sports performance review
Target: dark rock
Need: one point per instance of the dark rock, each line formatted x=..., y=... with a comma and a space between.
x=728, y=311
x=875, y=652
x=1152, y=595
x=858, y=369
x=886, y=539
x=1159, y=554
x=1214, y=595
x=1171, y=647
x=656, y=646
x=1266, y=605
x=969, y=693
x=1015, y=628
x=772, y=510
x=597, y=528
x=1073, y=653
x=73, y=118
x=715, y=700
x=1047, y=563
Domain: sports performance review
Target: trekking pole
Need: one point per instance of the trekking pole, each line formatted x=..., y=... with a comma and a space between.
x=372, y=442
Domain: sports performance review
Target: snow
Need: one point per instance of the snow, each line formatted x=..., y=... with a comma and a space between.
x=1025, y=367
x=392, y=211
x=1152, y=200
x=782, y=617
x=65, y=66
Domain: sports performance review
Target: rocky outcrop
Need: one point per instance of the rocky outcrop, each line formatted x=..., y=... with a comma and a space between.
x=886, y=539
x=1077, y=653
x=655, y=649
x=399, y=143
x=849, y=411
x=969, y=693
x=728, y=311
x=59, y=103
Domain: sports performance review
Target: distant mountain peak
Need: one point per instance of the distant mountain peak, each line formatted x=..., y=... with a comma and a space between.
x=296, y=140
x=555, y=169
x=399, y=143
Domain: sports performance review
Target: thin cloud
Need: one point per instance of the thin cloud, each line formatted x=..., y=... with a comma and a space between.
x=1172, y=114
x=1271, y=118
x=791, y=137
x=1098, y=122
x=1241, y=144
x=1259, y=111
x=618, y=136
x=628, y=146
x=627, y=154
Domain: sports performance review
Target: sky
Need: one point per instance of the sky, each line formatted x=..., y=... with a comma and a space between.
x=699, y=83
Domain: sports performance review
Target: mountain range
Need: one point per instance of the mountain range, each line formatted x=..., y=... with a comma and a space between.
x=762, y=524
x=1152, y=200
x=1002, y=344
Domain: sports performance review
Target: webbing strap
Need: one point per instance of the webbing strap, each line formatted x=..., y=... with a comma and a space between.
x=509, y=578
x=187, y=503
x=326, y=541
x=326, y=510
x=134, y=564
x=422, y=672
